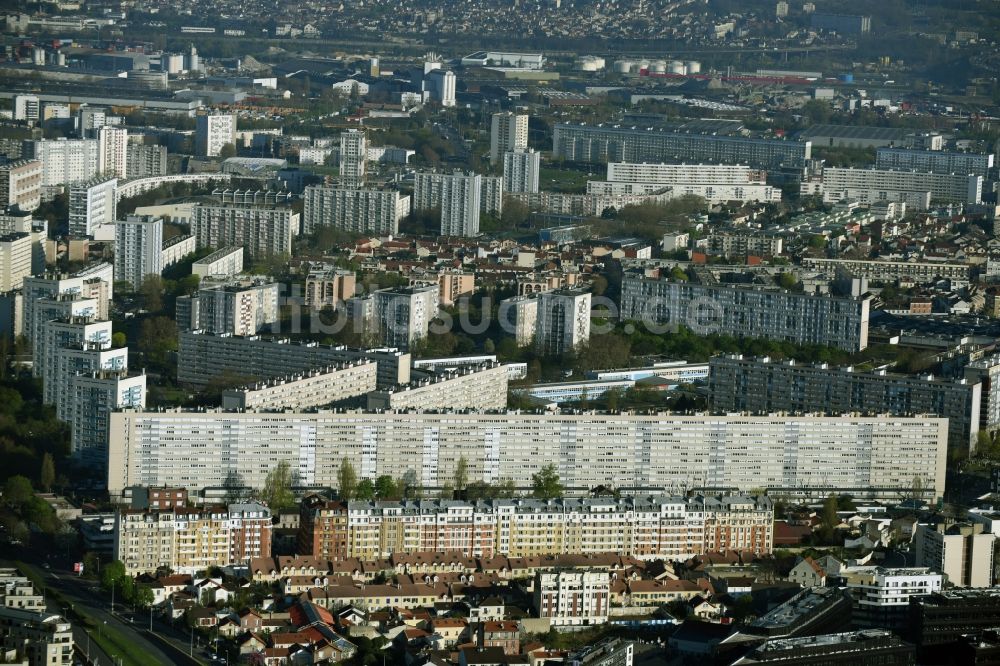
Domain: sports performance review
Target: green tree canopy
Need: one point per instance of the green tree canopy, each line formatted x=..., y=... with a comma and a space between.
x=546, y=484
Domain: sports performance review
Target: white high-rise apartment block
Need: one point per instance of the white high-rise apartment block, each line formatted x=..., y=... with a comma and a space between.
x=112, y=159
x=15, y=260
x=403, y=316
x=92, y=204
x=144, y=161
x=563, y=321
x=935, y=161
x=805, y=456
x=962, y=552
x=868, y=185
x=508, y=131
x=457, y=194
x=237, y=307
x=91, y=120
x=353, y=158
x=92, y=287
x=93, y=397
x=441, y=85
x=520, y=170
x=357, y=210
x=21, y=184
x=66, y=161
x=75, y=331
x=138, y=248
x=519, y=315
x=212, y=132
x=716, y=183
x=27, y=107
x=261, y=230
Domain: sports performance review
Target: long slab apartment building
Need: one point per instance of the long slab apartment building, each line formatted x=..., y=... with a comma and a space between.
x=760, y=385
x=616, y=143
x=646, y=527
x=808, y=456
x=773, y=314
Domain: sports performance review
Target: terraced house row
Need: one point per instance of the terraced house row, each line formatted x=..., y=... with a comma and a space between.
x=651, y=527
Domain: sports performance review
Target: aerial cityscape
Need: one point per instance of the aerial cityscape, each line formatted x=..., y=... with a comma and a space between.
x=458, y=333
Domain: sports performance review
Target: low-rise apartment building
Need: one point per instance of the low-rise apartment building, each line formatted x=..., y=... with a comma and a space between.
x=471, y=387
x=313, y=388
x=573, y=598
x=225, y=263
x=882, y=595
x=188, y=540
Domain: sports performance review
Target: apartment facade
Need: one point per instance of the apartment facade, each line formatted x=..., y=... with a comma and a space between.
x=329, y=288
x=315, y=388
x=563, y=321
x=962, y=552
x=204, y=357
x=403, y=316
x=471, y=387
x=368, y=210
x=882, y=595
x=16, y=254
x=189, y=540
x=747, y=312
x=92, y=204
x=933, y=161
x=21, y=184
x=236, y=307
x=508, y=132
x=66, y=161
x=729, y=245
x=143, y=161
x=615, y=143
x=573, y=598
x=353, y=158
x=458, y=195
x=891, y=271
x=520, y=170
x=112, y=151
x=762, y=385
x=797, y=456
x=39, y=637
x=225, y=263
x=519, y=315
x=138, y=248
x=261, y=230
x=645, y=527
x=213, y=132
x=92, y=397
x=846, y=183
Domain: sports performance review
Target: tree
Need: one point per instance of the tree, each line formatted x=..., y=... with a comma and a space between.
x=151, y=291
x=545, y=484
x=830, y=518
x=144, y=596
x=787, y=280
x=112, y=574
x=227, y=151
x=48, y=474
x=347, y=480
x=386, y=488
x=118, y=340
x=91, y=564
x=461, y=478
x=505, y=489
x=277, y=493
x=365, y=491
x=17, y=492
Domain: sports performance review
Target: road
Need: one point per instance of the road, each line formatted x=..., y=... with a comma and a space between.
x=85, y=595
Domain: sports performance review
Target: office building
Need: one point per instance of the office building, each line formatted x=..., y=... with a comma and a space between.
x=204, y=358
x=939, y=622
x=612, y=143
x=375, y=211
x=66, y=161
x=519, y=317
x=262, y=231
x=112, y=152
x=933, y=161
x=329, y=288
x=470, y=387
x=440, y=84
x=145, y=161
x=138, y=248
x=520, y=170
x=882, y=595
x=92, y=204
x=563, y=321
x=798, y=456
x=27, y=107
x=224, y=263
x=748, y=312
x=402, y=316
x=314, y=388
x=962, y=552
x=761, y=385
x=15, y=260
x=457, y=194
x=35, y=637
x=236, y=307
x=573, y=598
x=869, y=647
x=21, y=185
x=213, y=132
x=870, y=185
x=189, y=540
x=353, y=158
x=508, y=132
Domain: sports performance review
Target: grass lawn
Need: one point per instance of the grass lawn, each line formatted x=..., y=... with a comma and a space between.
x=565, y=180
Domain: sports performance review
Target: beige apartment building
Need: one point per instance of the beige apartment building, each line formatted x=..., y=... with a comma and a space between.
x=21, y=184
x=962, y=552
x=312, y=388
x=481, y=387
x=329, y=288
